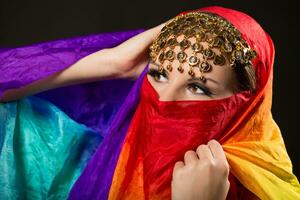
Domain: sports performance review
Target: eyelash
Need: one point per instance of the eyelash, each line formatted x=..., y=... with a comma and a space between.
x=155, y=73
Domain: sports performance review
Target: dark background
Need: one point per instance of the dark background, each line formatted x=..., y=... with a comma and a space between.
x=32, y=21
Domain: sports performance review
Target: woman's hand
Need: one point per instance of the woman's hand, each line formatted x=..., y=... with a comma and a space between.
x=132, y=55
x=203, y=175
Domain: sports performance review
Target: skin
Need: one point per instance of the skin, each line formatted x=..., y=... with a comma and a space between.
x=204, y=172
x=126, y=60
x=203, y=175
x=176, y=86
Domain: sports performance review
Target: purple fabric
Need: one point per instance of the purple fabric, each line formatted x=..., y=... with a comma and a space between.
x=47, y=58
x=90, y=103
x=109, y=113
x=95, y=181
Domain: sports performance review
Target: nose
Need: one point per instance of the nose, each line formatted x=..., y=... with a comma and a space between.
x=169, y=93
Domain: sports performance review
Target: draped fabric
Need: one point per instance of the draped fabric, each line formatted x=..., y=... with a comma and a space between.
x=132, y=153
x=159, y=135
x=89, y=103
x=47, y=139
x=162, y=131
x=42, y=150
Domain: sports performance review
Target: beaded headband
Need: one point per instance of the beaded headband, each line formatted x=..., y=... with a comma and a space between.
x=205, y=27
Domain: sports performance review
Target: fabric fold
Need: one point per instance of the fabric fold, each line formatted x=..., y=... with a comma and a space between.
x=42, y=150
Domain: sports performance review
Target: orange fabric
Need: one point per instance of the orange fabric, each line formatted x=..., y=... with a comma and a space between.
x=250, y=137
x=136, y=183
x=152, y=146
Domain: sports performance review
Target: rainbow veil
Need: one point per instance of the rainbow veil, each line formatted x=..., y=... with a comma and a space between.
x=66, y=142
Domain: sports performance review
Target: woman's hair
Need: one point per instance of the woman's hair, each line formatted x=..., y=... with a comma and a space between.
x=245, y=77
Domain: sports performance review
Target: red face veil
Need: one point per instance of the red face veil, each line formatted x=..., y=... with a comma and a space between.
x=162, y=131
x=170, y=128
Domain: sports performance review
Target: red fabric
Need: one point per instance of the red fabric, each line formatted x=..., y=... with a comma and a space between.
x=162, y=131
x=170, y=128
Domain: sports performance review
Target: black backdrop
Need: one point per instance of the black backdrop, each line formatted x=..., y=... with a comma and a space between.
x=30, y=21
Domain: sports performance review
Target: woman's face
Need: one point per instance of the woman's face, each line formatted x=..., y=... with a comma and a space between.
x=172, y=86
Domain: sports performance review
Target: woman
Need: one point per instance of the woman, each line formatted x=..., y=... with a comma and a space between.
x=140, y=139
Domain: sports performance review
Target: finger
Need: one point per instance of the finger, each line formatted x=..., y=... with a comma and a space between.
x=190, y=156
x=204, y=152
x=157, y=29
x=217, y=150
x=178, y=165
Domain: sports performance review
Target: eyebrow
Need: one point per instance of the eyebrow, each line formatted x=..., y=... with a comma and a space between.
x=198, y=79
x=191, y=79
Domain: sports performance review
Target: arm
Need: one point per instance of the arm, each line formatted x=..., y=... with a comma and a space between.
x=85, y=70
x=126, y=60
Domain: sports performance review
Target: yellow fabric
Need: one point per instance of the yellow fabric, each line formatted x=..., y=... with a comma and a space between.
x=257, y=155
x=254, y=145
x=254, y=148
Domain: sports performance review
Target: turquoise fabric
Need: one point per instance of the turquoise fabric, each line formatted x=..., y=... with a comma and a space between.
x=42, y=150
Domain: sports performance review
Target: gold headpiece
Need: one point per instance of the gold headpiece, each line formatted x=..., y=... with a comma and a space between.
x=205, y=27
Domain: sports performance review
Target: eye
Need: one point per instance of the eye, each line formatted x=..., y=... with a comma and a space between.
x=196, y=88
x=158, y=76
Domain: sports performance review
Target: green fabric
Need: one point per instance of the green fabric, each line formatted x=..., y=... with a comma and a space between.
x=42, y=150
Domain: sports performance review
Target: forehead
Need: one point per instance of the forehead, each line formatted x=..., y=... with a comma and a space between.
x=222, y=74
x=226, y=46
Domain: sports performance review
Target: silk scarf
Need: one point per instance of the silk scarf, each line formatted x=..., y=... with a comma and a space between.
x=160, y=133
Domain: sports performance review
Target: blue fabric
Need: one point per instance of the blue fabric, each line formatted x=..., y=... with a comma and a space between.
x=93, y=104
x=47, y=139
x=42, y=150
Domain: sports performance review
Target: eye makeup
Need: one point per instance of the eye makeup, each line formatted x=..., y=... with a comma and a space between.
x=204, y=90
x=193, y=86
x=156, y=74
